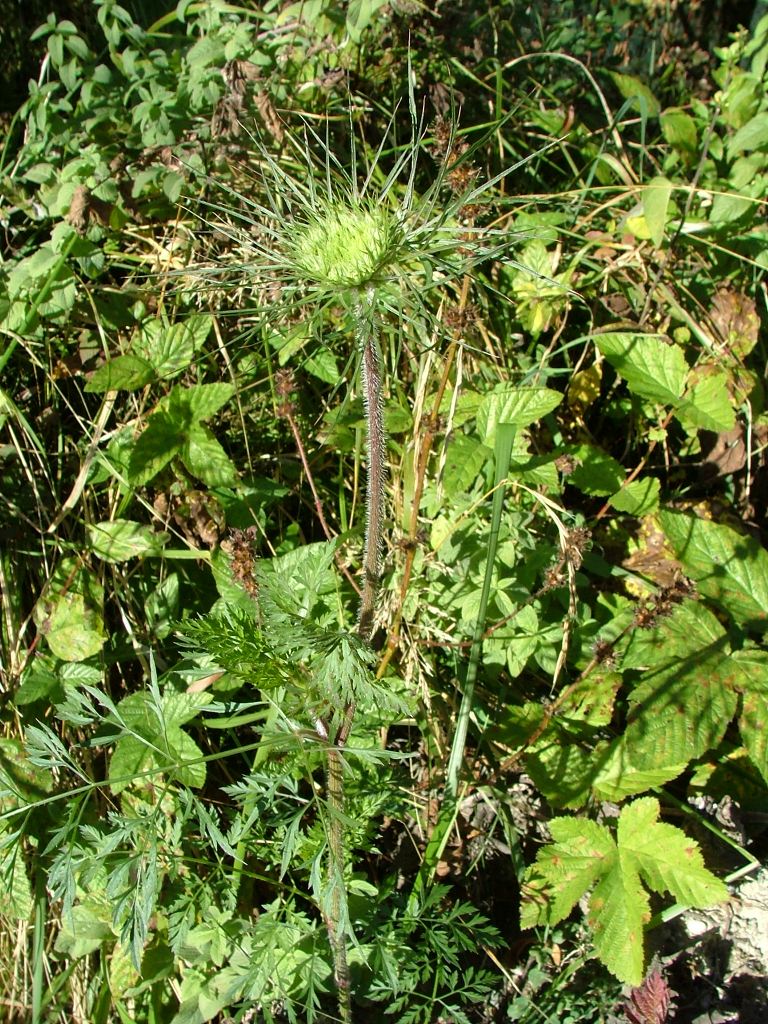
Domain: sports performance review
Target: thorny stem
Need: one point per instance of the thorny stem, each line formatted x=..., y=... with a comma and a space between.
x=367, y=338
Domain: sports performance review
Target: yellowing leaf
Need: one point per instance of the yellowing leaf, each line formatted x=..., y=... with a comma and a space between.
x=656, y=198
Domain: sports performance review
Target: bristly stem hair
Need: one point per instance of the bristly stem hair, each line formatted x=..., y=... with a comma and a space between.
x=367, y=334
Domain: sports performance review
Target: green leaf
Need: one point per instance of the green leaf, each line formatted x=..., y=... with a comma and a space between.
x=72, y=625
x=651, y=368
x=85, y=929
x=156, y=740
x=580, y=853
x=120, y=539
x=668, y=861
x=753, y=720
x=638, y=498
x=595, y=472
x=180, y=708
x=708, y=405
x=618, y=910
x=517, y=407
x=730, y=568
x=197, y=403
x=171, y=349
x=206, y=459
x=322, y=364
x=359, y=16
x=186, y=758
x=656, y=196
x=464, y=461
x=160, y=441
x=130, y=758
x=679, y=129
x=584, y=854
x=561, y=770
x=20, y=780
x=685, y=699
x=617, y=777
x=17, y=900
x=633, y=89
x=123, y=373
x=752, y=135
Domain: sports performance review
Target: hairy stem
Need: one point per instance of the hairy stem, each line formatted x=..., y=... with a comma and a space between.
x=366, y=336
x=335, y=915
x=375, y=443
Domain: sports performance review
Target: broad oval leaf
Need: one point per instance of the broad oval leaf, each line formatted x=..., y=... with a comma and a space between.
x=123, y=373
x=120, y=539
x=652, y=368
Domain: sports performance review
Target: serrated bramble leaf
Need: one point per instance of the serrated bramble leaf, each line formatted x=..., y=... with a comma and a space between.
x=160, y=441
x=666, y=858
x=584, y=854
x=198, y=403
x=180, y=708
x=184, y=758
x=617, y=777
x=729, y=568
x=708, y=405
x=169, y=349
x=518, y=407
x=17, y=900
x=581, y=852
x=686, y=697
x=595, y=471
x=561, y=770
x=753, y=684
x=679, y=129
x=618, y=910
x=652, y=368
x=591, y=700
x=638, y=498
x=130, y=759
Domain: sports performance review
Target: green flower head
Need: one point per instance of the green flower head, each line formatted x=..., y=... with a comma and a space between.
x=346, y=244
